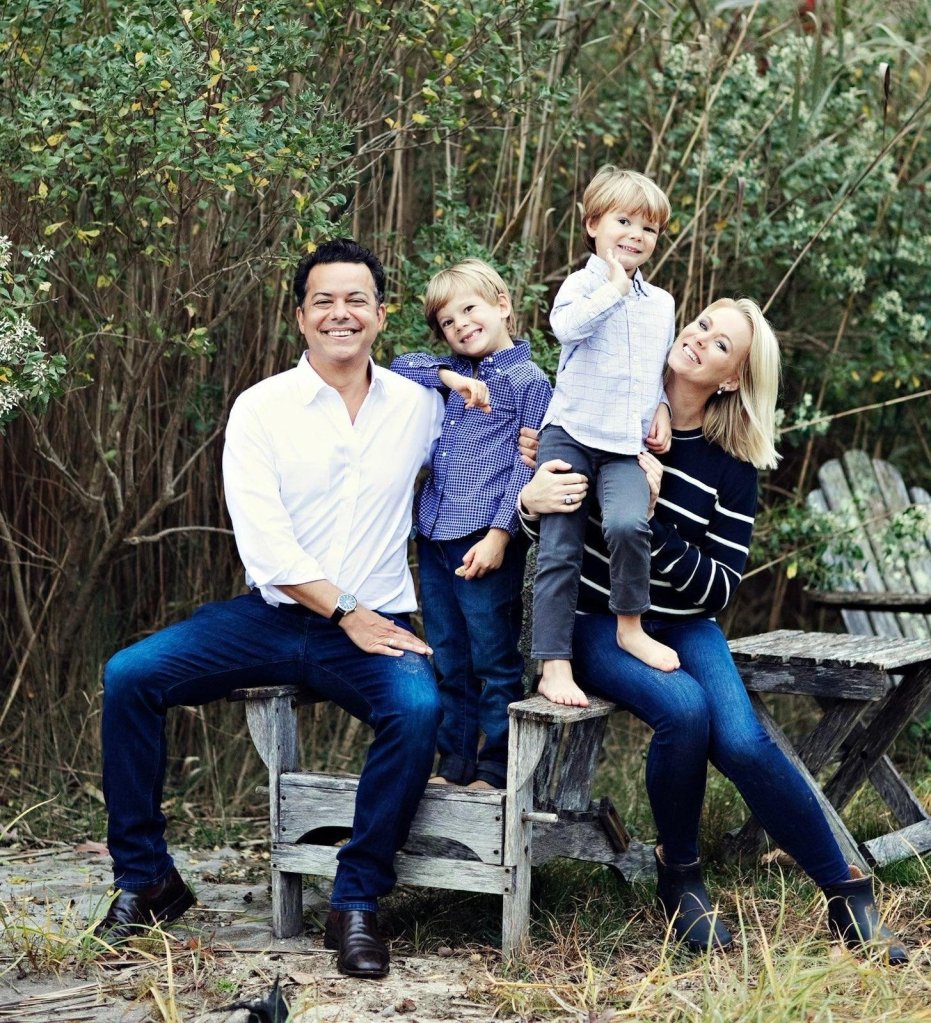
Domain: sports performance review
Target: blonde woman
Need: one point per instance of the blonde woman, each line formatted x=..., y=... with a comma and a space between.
x=722, y=380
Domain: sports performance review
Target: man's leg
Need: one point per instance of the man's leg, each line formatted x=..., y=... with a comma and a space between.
x=398, y=697
x=221, y=647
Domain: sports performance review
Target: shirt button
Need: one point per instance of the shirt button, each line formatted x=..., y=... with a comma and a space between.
x=444, y=454
x=452, y=422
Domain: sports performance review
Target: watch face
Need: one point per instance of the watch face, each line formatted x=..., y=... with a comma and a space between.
x=346, y=603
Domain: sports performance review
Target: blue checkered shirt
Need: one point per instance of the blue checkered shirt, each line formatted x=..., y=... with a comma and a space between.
x=477, y=473
x=614, y=347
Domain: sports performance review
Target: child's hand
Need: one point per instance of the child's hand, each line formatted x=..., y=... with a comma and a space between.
x=617, y=275
x=474, y=392
x=660, y=436
x=485, y=556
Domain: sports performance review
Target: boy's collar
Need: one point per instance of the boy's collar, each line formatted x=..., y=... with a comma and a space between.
x=518, y=352
x=600, y=267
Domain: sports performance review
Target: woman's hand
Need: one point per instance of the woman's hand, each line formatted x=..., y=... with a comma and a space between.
x=528, y=444
x=653, y=467
x=554, y=488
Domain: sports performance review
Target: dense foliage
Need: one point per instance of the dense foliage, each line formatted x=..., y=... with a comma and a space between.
x=165, y=165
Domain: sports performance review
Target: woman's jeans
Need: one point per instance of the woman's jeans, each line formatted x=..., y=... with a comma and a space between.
x=698, y=713
x=246, y=642
x=474, y=628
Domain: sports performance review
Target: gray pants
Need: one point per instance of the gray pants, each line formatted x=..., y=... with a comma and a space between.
x=623, y=493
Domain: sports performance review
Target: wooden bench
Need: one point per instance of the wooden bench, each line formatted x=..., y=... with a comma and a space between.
x=463, y=839
x=868, y=689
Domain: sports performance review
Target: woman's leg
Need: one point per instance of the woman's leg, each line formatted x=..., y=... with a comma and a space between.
x=741, y=749
x=674, y=706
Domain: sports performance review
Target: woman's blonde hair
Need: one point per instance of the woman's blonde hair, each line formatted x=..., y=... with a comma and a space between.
x=743, y=421
x=615, y=189
x=469, y=275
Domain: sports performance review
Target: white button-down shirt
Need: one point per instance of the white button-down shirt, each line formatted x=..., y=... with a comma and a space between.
x=313, y=495
x=610, y=376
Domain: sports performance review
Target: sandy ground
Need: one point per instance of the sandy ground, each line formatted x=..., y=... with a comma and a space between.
x=221, y=952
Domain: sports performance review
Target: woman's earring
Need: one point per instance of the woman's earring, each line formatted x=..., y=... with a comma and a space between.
x=720, y=389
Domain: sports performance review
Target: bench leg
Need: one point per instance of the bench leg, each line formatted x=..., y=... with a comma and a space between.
x=526, y=741
x=273, y=727
x=287, y=904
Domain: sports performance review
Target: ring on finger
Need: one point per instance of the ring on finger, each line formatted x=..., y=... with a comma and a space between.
x=390, y=642
x=568, y=499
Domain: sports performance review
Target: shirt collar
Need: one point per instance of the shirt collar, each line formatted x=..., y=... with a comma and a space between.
x=600, y=267
x=310, y=383
x=507, y=357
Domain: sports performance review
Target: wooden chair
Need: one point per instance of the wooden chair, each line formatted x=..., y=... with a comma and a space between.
x=463, y=839
x=882, y=599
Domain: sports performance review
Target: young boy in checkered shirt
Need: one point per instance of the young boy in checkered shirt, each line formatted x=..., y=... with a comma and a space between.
x=471, y=550
x=615, y=330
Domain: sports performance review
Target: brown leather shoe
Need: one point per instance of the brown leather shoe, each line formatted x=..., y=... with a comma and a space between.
x=354, y=934
x=131, y=912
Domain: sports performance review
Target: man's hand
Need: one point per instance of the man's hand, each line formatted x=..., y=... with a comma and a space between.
x=474, y=392
x=617, y=275
x=528, y=444
x=653, y=467
x=375, y=634
x=485, y=556
x=660, y=436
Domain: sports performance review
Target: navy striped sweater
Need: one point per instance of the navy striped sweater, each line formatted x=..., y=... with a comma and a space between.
x=701, y=534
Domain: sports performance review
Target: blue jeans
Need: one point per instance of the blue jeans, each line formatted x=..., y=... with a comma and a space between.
x=623, y=495
x=699, y=713
x=246, y=642
x=474, y=627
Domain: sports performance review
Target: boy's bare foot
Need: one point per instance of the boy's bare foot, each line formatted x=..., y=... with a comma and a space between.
x=479, y=783
x=558, y=685
x=438, y=779
x=638, y=644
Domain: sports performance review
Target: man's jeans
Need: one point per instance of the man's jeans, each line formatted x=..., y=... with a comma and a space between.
x=246, y=642
x=699, y=713
x=474, y=628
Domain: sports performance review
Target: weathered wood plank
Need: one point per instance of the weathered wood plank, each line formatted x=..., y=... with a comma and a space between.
x=817, y=680
x=830, y=649
x=539, y=708
x=899, y=845
x=563, y=781
x=863, y=752
x=896, y=793
x=316, y=801
x=300, y=694
x=840, y=497
x=459, y=875
x=920, y=602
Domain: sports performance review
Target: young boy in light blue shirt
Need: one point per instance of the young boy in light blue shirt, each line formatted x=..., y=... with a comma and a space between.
x=471, y=551
x=615, y=330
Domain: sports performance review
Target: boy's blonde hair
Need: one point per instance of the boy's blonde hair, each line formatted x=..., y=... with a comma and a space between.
x=615, y=189
x=469, y=275
x=743, y=421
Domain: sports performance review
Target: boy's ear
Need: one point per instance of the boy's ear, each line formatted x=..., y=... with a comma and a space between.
x=591, y=225
x=504, y=304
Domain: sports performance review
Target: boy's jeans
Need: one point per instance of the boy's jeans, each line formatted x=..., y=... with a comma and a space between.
x=474, y=628
x=246, y=642
x=698, y=714
x=623, y=494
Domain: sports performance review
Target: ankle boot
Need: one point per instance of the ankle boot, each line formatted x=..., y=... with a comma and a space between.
x=681, y=894
x=854, y=918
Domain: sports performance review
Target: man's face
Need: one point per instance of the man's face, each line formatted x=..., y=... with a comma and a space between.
x=341, y=317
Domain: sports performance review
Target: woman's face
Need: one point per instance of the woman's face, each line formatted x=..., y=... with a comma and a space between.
x=710, y=350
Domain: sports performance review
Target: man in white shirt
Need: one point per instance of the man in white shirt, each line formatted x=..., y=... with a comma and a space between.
x=319, y=469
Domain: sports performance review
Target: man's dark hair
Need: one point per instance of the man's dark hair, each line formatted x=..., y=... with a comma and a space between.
x=339, y=250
